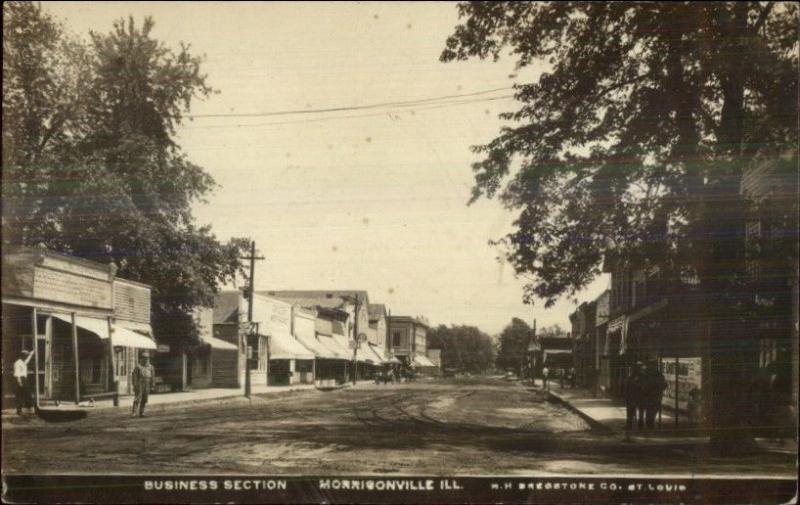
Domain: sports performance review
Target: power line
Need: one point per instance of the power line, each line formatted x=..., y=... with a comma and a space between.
x=349, y=108
x=355, y=116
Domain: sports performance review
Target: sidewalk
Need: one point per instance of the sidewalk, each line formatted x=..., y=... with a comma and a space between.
x=183, y=397
x=609, y=415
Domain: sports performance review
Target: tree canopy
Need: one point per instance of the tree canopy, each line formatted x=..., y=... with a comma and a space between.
x=464, y=348
x=513, y=345
x=90, y=162
x=642, y=112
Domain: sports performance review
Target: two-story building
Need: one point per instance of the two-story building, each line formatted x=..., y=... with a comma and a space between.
x=408, y=341
x=276, y=356
x=770, y=185
x=584, y=336
x=84, y=325
x=351, y=335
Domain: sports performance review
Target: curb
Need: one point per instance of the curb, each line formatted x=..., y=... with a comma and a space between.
x=593, y=423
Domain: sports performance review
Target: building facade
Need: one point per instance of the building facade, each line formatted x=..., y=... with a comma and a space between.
x=84, y=325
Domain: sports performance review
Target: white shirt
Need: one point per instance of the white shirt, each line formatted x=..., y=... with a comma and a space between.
x=21, y=367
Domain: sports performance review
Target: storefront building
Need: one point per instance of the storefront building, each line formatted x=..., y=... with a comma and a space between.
x=84, y=325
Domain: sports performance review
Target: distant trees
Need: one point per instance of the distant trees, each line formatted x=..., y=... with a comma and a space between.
x=513, y=346
x=464, y=348
x=90, y=162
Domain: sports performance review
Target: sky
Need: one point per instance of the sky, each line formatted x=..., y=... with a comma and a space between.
x=371, y=197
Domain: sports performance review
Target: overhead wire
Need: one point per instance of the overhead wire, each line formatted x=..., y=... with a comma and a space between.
x=430, y=106
x=402, y=103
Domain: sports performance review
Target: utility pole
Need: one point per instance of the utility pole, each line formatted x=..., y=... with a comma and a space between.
x=250, y=291
x=530, y=353
x=356, y=341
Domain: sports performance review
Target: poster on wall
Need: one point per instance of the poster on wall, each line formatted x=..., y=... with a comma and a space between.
x=687, y=371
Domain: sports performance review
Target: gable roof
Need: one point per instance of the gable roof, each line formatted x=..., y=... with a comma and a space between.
x=226, y=307
x=332, y=299
x=376, y=310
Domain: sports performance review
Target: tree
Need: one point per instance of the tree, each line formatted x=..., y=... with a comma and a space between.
x=514, y=341
x=631, y=144
x=464, y=348
x=90, y=163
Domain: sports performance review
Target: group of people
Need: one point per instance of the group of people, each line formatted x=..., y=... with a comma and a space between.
x=643, y=391
x=142, y=379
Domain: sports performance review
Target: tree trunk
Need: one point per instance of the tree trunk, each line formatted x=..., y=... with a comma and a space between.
x=732, y=350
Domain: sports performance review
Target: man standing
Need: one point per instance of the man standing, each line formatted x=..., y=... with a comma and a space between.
x=545, y=374
x=632, y=390
x=653, y=389
x=22, y=390
x=142, y=378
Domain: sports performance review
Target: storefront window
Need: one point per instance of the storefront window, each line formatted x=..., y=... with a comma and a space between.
x=120, y=361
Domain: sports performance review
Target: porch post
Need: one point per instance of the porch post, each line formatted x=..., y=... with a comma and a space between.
x=77, y=363
x=35, y=356
x=677, y=388
x=112, y=385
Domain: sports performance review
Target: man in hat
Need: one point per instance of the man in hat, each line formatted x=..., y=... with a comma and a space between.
x=632, y=392
x=653, y=385
x=142, y=377
x=22, y=390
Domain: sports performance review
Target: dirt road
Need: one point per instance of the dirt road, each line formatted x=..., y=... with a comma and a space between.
x=433, y=428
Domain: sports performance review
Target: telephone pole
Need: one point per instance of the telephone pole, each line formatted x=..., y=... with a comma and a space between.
x=250, y=292
x=356, y=340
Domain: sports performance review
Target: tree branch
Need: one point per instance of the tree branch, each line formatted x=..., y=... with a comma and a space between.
x=762, y=17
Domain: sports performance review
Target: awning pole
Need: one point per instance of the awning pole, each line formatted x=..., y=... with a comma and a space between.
x=677, y=374
x=112, y=384
x=35, y=356
x=75, y=354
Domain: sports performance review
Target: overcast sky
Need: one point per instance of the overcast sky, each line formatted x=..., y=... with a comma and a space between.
x=367, y=198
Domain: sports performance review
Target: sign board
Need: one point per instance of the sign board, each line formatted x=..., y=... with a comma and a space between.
x=687, y=373
x=67, y=287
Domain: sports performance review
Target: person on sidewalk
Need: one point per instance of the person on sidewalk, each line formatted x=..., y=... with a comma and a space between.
x=545, y=373
x=22, y=390
x=143, y=378
x=654, y=384
x=632, y=392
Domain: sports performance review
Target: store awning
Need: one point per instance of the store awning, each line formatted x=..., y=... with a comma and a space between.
x=319, y=349
x=122, y=336
x=97, y=326
x=218, y=343
x=368, y=353
x=558, y=357
x=421, y=360
x=334, y=351
x=131, y=334
x=283, y=346
x=339, y=345
x=379, y=352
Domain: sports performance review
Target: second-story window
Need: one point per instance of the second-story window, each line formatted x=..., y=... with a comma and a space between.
x=397, y=339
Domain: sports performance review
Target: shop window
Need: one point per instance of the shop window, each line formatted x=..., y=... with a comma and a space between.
x=254, y=351
x=120, y=361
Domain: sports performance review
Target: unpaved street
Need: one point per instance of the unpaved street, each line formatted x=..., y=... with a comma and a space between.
x=430, y=427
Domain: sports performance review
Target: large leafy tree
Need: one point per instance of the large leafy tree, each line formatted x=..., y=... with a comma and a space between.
x=513, y=349
x=90, y=162
x=631, y=143
x=464, y=348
